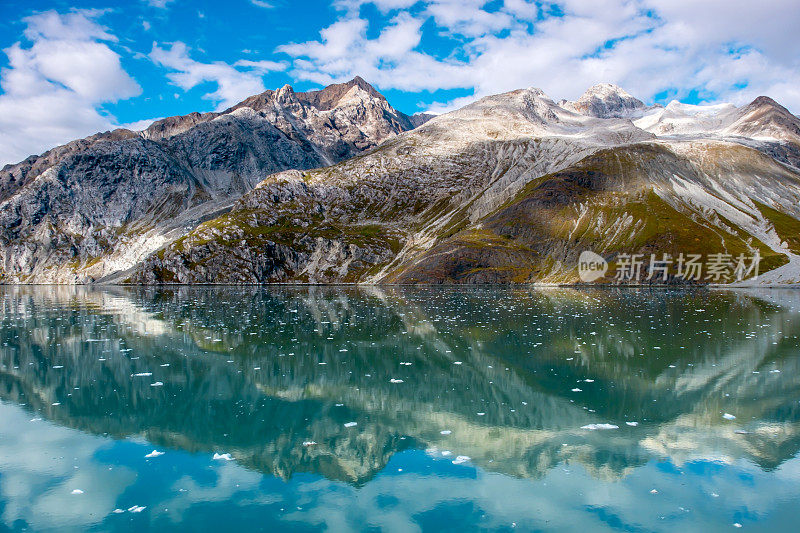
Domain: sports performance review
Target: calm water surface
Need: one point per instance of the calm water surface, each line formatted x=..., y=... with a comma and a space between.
x=399, y=409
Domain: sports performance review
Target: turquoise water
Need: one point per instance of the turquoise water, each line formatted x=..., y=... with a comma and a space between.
x=399, y=409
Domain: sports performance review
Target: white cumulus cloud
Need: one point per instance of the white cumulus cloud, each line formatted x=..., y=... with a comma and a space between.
x=56, y=80
x=720, y=49
x=234, y=82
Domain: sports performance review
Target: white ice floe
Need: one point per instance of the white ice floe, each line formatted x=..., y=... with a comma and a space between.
x=461, y=459
x=728, y=416
x=142, y=374
x=395, y=380
x=593, y=427
x=445, y=432
x=309, y=443
x=77, y=491
x=576, y=389
x=222, y=457
x=350, y=424
x=136, y=509
x=157, y=384
x=633, y=424
x=154, y=453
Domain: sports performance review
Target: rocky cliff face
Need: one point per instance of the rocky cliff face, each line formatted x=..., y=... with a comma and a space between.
x=100, y=205
x=511, y=188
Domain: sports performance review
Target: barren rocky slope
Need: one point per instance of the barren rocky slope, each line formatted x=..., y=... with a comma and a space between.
x=513, y=188
x=99, y=205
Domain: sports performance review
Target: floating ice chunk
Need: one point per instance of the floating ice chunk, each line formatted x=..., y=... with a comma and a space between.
x=654, y=491
x=58, y=366
x=405, y=363
x=737, y=524
x=461, y=459
x=77, y=491
x=154, y=453
x=576, y=389
x=142, y=374
x=445, y=432
x=350, y=424
x=136, y=509
x=118, y=511
x=446, y=452
x=632, y=424
x=593, y=427
x=728, y=416
x=222, y=457
x=481, y=414
x=395, y=380
x=309, y=443
x=157, y=384
x=456, y=362
x=588, y=380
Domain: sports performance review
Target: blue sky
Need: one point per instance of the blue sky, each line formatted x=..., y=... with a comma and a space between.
x=69, y=69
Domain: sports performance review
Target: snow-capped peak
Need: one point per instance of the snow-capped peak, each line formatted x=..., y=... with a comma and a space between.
x=606, y=100
x=606, y=90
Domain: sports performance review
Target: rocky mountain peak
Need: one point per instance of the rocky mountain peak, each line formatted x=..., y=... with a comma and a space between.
x=764, y=117
x=606, y=100
x=325, y=99
x=329, y=97
x=285, y=93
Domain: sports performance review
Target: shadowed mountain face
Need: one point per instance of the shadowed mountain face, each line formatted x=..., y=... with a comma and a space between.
x=511, y=379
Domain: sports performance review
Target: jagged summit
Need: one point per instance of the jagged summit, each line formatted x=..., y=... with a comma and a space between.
x=330, y=96
x=324, y=99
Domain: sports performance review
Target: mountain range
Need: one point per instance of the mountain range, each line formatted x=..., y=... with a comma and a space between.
x=337, y=186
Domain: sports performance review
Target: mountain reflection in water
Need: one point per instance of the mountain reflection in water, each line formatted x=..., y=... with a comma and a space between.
x=505, y=379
